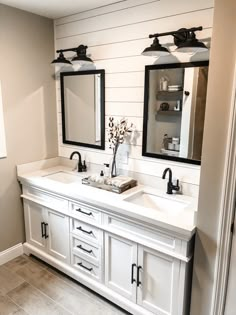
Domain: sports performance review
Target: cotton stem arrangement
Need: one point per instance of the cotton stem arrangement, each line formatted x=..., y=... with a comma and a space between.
x=116, y=135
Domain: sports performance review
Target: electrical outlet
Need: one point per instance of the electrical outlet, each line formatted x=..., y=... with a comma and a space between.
x=122, y=154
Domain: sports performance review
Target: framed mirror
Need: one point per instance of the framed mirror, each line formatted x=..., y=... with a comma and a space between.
x=174, y=111
x=83, y=108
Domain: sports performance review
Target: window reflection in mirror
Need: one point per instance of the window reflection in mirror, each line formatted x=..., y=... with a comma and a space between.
x=83, y=108
x=174, y=111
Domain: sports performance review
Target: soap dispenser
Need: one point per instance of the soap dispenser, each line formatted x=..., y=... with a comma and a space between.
x=84, y=166
x=101, y=177
x=107, y=169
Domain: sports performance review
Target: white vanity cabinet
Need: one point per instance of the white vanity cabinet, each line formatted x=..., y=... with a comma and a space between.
x=142, y=268
x=120, y=262
x=145, y=276
x=58, y=235
x=34, y=225
x=159, y=282
x=47, y=229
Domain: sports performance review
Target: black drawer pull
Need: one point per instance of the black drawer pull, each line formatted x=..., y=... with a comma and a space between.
x=84, y=249
x=46, y=235
x=43, y=229
x=132, y=273
x=138, y=271
x=80, y=228
x=81, y=211
x=81, y=265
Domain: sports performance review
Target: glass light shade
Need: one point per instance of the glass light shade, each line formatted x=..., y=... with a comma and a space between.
x=81, y=60
x=156, y=50
x=60, y=61
x=188, y=43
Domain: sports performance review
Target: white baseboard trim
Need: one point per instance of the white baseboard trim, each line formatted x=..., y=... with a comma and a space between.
x=11, y=253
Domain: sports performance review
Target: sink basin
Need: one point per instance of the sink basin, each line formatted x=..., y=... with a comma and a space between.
x=64, y=177
x=159, y=203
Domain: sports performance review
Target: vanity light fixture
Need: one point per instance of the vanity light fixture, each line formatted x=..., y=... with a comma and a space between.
x=156, y=49
x=185, y=40
x=80, y=58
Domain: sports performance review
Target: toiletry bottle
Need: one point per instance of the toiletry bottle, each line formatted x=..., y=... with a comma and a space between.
x=101, y=177
x=163, y=83
x=107, y=169
x=84, y=166
x=165, y=141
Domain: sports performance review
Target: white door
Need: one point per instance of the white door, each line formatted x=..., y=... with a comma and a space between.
x=158, y=282
x=231, y=289
x=35, y=224
x=121, y=265
x=57, y=234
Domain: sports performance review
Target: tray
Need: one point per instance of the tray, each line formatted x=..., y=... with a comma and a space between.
x=118, y=190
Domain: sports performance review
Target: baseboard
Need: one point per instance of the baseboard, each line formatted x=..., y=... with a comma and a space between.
x=11, y=253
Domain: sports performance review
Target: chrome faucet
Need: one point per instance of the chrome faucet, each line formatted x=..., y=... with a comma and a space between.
x=170, y=185
x=80, y=166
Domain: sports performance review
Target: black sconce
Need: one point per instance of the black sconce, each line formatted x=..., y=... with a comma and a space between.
x=80, y=58
x=185, y=40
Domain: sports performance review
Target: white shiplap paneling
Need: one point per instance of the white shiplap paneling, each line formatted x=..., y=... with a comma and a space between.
x=116, y=35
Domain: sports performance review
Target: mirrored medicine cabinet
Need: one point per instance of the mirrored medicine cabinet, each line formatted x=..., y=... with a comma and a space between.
x=83, y=108
x=174, y=111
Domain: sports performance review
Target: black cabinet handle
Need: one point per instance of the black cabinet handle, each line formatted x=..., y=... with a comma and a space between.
x=45, y=229
x=81, y=211
x=132, y=273
x=81, y=265
x=42, y=229
x=84, y=249
x=81, y=229
x=138, y=271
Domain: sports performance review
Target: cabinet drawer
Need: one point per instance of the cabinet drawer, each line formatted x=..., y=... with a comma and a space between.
x=85, y=213
x=86, y=267
x=149, y=235
x=86, y=231
x=46, y=199
x=87, y=251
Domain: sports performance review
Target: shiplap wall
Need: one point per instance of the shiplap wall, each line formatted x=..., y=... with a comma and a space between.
x=116, y=35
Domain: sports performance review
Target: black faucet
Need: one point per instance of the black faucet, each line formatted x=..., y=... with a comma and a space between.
x=170, y=185
x=80, y=166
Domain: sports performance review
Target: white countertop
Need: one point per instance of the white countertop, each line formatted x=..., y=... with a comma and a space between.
x=180, y=222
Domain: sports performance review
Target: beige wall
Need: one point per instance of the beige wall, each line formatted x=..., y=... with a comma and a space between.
x=222, y=62
x=28, y=89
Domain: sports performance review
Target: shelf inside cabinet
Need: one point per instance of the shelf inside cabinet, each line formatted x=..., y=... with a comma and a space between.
x=169, y=95
x=169, y=112
x=169, y=152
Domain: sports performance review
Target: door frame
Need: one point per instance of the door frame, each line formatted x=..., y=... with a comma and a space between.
x=227, y=215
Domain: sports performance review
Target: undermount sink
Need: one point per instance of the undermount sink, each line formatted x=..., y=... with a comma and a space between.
x=64, y=177
x=159, y=203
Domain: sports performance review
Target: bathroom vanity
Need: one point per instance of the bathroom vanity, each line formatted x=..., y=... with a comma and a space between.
x=135, y=249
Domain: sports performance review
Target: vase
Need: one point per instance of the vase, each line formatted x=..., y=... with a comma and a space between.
x=113, y=165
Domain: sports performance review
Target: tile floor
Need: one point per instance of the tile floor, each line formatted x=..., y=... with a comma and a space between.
x=30, y=287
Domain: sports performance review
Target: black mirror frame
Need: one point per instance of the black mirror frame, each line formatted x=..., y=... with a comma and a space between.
x=82, y=144
x=145, y=109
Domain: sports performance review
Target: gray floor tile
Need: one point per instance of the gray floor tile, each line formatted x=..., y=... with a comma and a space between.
x=73, y=283
x=17, y=263
x=60, y=291
x=34, y=302
x=7, y=307
x=8, y=280
x=48, y=291
x=104, y=307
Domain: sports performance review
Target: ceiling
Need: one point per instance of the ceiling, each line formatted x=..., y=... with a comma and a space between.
x=57, y=8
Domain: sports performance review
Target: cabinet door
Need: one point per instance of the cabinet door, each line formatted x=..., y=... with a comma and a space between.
x=58, y=235
x=120, y=261
x=34, y=224
x=159, y=282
